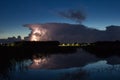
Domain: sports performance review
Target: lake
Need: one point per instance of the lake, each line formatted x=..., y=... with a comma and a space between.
x=80, y=65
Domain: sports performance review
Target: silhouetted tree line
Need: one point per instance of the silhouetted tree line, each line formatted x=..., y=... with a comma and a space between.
x=35, y=47
x=104, y=48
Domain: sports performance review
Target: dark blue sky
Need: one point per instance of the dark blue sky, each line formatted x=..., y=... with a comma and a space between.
x=15, y=13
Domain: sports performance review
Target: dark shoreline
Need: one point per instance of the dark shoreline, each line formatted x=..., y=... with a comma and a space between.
x=104, y=48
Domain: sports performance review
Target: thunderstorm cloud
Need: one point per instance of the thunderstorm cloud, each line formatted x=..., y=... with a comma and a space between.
x=64, y=32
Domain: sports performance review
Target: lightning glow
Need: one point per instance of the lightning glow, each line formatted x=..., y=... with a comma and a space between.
x=38, y=33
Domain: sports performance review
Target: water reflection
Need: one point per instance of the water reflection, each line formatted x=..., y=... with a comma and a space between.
x=78, y=74
x=101, y=70
x=38, y=62
x=81, y=65
x=58, y=61
x=113, y=60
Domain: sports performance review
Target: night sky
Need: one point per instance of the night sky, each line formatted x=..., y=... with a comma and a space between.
x=15, y=13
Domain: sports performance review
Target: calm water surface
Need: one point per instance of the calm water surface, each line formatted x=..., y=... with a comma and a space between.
x=81, y=65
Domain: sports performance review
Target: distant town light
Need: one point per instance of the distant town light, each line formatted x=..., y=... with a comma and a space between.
x=72, y=44
x=77, y=44
x=63, y=44
x=68, y=44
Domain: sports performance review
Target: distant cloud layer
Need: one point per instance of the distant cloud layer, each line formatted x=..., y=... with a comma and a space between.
x=10, y=39
x=77, y=33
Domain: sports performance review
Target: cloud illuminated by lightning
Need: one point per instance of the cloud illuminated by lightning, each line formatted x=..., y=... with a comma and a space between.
x=38, y=33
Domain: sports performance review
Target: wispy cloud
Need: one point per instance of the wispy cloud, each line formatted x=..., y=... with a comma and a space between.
x=73, y=14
